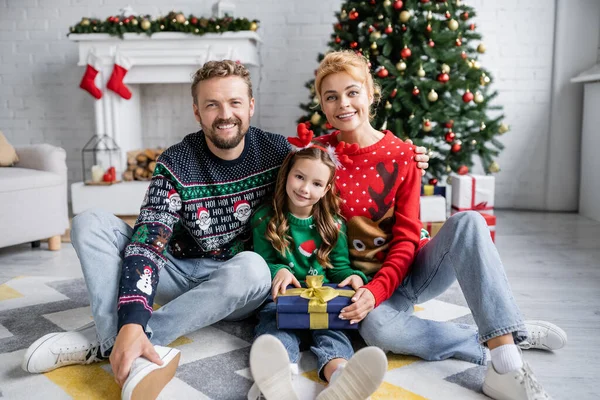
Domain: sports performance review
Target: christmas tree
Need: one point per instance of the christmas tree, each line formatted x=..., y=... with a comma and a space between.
x=424, y=55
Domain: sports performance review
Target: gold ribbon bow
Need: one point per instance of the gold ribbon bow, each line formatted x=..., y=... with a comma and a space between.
x=318, y=296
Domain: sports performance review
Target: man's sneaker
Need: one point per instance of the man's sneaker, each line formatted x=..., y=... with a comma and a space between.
x=360, y=377
x=516, y=385
x=59, y=349
x=146, y=379
x=543, y=335
x=270, y=367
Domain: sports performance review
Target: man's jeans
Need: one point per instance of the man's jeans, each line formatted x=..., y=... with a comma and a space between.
x=193, y=293
x=326, y=344
x=462, y=250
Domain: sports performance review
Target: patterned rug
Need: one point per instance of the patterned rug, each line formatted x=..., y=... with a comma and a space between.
x=214, y=363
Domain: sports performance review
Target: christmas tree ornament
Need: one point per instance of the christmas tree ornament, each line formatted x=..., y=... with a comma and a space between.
x=180, y=18
x=503, y=128
x=448, y=15
x=448, y=169
x=421, y=72
x=404, y=16
x=452, y=25
x=450, y=136
x=432, y=96
x=94, y=63
x=473, y=142
x=431, y=43
x=416, y=91
x=394, y=93
x=388, y=29
x=458, y=42
x=374, y=36
x=468, y=96
x=382, y=72
x=445, y=68
x=115, y=82
x=463, y=170
x=475, y=64
x=463, y=55
x=456, y=147
x=338, y=40
x=401, y=66
x=353, y=14
x=433, y=181
x=443, y=78
x=424, y=1
x=162, y=27
x=411, y=116
x=428, y=29
x=380, y=17
x=398, y=4
x=145, y=25
x=427, y=126
x=387, y=3
x=481, y=48
x=464, y=16
x=484, y=79
x=371, y=29
x=472, y=27
x=478, y=98
x=405, y=52
x=388, y=105
x=353, y=45
x=429, y=15
x=315, y=100
x=449, y=124
x=374, y=46
x=404, y=28
x=494, y=167
x=343, y=15
x=482, y=126
x=315, y=118
x=134, y=22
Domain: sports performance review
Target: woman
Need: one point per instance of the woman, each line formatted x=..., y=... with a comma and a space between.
x=380, y=195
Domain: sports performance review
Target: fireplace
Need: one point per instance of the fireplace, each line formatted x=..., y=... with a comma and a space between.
x=166, y=58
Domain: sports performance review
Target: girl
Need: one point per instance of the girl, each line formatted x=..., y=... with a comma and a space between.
x=380, y=201
x=301, y=235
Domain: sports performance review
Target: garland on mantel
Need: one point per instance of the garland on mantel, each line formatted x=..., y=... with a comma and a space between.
x=172, y=22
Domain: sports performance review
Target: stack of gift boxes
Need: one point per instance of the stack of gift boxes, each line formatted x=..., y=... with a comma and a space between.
x=469, y=192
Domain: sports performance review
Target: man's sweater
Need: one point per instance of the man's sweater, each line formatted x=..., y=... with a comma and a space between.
x=197, y=205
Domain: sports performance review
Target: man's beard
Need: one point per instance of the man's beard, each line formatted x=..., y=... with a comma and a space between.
x=221, y=142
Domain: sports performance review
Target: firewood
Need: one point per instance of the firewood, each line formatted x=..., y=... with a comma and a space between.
x=142, y=158
x=151, y=166
x=128, y=175
x=151, y=154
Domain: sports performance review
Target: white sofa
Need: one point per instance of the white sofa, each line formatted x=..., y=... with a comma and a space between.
x=33, y=197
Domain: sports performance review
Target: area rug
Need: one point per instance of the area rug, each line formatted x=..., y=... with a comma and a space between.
x=214, y=363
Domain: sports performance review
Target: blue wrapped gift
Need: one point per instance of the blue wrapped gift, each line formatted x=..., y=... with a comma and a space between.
x=433, y=190
x=316, y=306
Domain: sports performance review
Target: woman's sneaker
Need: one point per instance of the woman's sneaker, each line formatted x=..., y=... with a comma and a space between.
x=147, y=379
x=543, y=335
x=60, y=349
x=270, y=367
x=515, y=385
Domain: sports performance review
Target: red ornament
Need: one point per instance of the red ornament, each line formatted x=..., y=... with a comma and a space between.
x=371, y=29
x=431, y=43
x=472, y=27
x=338, y=40
x=458, y=42
x=443, y=77
x=111, y=19
x=428, y=29
x=194, y=21
x=416, y=92
x=424, y=1
x=398, y=4
x=455, y=147
x=116, y=20
x=463, y=55
x=382, y=73
x=353, y=15
x=450, y=124
x=468, y=96
x=465, y=16
x=338, y=26
x=448, y=15
x=389, y=29
x=433, y=181
x=463, y=170
x=404, y=28
x=450, y=137
x=394, y=93
x=405, y=52
x=372, y=2
x=126, y=20
x=353, y=45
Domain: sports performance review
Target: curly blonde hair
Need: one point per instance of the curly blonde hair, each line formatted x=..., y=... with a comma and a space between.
x=220, y=69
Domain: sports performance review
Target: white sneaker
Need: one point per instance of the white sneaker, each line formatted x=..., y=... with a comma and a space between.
x=543, y=335
x=146, y=379
x=361, y=376
x=270, y=367
x=59, y=349
x=516, y=385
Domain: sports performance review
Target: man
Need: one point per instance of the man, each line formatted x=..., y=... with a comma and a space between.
x=188, y=249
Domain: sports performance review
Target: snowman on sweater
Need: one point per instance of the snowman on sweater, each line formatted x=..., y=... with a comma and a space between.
x=144, y=284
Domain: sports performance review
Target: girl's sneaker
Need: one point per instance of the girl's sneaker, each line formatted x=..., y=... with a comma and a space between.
x=360, y=377
x=270, y=367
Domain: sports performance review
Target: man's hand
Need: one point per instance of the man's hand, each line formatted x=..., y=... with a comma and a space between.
x=421, y=156
x=353, y=280
x=282, y=279
x=131, y=343
x=364, y=302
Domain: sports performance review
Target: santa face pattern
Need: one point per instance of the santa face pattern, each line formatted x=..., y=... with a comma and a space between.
x=174, y=202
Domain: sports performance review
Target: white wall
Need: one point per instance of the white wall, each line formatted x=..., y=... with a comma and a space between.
x=40, y=100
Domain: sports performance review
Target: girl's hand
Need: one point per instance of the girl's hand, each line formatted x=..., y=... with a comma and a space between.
x=421, y=157
x=364, y=302
x=353, y=280
x=282, y=279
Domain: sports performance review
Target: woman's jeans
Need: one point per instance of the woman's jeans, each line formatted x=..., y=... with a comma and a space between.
x=327, y=344
x=193, y=293
x=462, y=250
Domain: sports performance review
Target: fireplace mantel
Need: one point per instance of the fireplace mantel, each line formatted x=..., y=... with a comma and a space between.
x=163, y=58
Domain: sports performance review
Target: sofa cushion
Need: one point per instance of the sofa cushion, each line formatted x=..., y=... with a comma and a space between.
x=8, y=155
x=15, y=179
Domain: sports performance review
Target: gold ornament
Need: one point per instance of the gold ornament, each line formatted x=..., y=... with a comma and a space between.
x=343, y=15
x=432, y=96
x=448, y=169
x=473, y=142
x=388, y=105
x=387, y=3
x=374, y=46
x=421, y=72
x=404, y=16
x=452, y=25
x=503, y=128
x=180, y=18
x=145, y=24
x=85, y=21
x=482, y=126
x=481, y=48
x=186, y=22
x=380, y=17
x=196, y=30
x=316, y=100
x=253, y=26
x=427, y=126
x=401, y=66
x=445, y=68
x=411, y=116
x=134, y=22
x=377, y=91
x=429, y=15
x=162, y=27
x=484, y=79
x=476, y=64
x=478, y=98
x=121, y=23
x=315, y=119
x=494, y=167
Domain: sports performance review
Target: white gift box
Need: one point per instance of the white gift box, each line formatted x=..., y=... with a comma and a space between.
x=473, y=192
x=433, y=209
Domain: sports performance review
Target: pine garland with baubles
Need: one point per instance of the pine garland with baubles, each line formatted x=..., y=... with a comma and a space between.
x=425, y=56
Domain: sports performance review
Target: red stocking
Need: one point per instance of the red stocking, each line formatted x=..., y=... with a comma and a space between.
x=87, y=82
x=115, y=83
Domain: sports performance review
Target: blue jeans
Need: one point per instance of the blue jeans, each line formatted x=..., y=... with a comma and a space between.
x=326, y=344
x=462, y=250
x=193, y=293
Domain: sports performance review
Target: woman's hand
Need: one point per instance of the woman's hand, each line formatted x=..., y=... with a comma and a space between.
x=364, y=302
x=353, y=280
x=421, y=156
x=282, y=279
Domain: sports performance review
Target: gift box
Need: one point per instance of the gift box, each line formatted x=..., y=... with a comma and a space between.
x=473, y=192
x=432, y=190
x=432, y=227
x=316, y=306
x=491, y=222
x=433, y=209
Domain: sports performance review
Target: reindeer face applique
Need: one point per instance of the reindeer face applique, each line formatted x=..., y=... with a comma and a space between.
x=161, y=241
